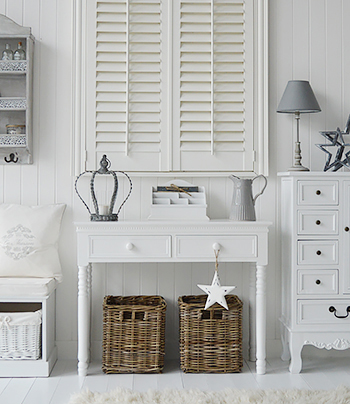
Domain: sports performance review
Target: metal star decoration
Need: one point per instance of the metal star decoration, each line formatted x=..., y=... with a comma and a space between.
x=216, y=292
x=336, y=139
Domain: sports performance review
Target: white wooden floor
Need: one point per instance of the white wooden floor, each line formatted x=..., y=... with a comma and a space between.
x=318, y=373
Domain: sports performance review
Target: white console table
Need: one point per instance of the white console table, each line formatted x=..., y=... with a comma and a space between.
x=155, y=241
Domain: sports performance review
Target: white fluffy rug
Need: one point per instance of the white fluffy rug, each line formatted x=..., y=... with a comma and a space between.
x=341, y=395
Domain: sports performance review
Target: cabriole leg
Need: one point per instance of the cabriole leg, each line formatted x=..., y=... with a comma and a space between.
x=295, y=345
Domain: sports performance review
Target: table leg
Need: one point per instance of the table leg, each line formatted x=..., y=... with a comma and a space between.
x=252, y=312
x=89, y=289
x=260, y=319
x=83, y=319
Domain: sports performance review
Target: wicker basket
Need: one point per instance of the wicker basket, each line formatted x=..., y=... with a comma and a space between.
x=20, y=335
x=133, y=334
x=210, y=340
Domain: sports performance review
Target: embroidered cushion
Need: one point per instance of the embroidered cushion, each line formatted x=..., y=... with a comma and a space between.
x=29, y=240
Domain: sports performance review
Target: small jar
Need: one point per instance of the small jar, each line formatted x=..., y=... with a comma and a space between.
x=15, y=129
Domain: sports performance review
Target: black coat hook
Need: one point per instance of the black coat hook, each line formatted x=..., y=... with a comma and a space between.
x=12, y=158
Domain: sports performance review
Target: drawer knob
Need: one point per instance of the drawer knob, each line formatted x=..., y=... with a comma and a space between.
x=318, y=282
x=333, y=310
x=318, y=252
x=346, y=228
x=129, y=246
x=318, y=222
x=216, y=246
x=318, y=192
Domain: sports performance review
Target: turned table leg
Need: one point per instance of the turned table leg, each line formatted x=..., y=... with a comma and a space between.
x=83, y=319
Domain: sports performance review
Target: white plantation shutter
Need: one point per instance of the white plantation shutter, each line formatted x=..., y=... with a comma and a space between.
x=173, y=86
x=128, y=84
x=214, y=128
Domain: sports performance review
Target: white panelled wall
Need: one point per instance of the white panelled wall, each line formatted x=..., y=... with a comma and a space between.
x=309, y=39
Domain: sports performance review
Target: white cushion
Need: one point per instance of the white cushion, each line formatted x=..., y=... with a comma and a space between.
x=26, y=287
x=29, y=240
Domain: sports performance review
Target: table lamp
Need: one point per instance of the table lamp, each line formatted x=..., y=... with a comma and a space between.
x=298, y=98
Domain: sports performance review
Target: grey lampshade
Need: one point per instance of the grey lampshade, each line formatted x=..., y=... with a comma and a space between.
x=298, y=97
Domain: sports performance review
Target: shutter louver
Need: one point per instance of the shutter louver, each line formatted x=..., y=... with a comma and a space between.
x=212, y=121
x=128, y=79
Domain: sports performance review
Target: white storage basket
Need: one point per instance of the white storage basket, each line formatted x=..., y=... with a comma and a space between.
x=20, y=335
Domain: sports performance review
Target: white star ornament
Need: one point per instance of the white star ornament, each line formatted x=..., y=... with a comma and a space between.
x=216, y=293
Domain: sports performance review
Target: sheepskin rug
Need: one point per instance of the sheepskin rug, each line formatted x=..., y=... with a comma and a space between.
x=341, y=395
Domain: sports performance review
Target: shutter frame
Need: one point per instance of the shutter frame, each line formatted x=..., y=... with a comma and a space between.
x=260, y=110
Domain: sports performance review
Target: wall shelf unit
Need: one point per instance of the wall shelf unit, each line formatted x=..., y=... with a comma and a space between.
x=16, y=101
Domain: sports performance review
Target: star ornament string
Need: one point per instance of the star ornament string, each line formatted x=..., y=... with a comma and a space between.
x=216, y=293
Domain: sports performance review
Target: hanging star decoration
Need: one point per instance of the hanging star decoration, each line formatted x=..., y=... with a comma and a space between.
x=341, y=156
x=216, y=293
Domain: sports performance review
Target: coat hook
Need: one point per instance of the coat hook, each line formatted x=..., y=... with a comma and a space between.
x=12, y=158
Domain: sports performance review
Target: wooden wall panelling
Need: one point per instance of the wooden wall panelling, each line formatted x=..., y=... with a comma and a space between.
x=285, y=134
x=216, y=193
x=149, y=279
x=99, y=281
x=29, y=173
x=318, y=79
x=48, y=102
x=12, y=180
x=333, y=63
x=346, y=61
x=166, y=277
x=115, y=279
x=64, y=191
x=301, y=70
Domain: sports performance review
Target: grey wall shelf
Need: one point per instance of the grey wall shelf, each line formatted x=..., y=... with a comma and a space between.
x=16, y=89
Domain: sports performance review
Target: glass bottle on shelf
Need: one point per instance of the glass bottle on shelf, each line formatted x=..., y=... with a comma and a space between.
x=7, y=54
x=19, y=53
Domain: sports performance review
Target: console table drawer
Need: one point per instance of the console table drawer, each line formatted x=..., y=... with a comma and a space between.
x=318, y=282
x=318, y=252
x=231, y=247
x=317, y=311
x=130, y=246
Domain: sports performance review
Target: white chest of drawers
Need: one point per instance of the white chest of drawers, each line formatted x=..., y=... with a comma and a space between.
x=315, y=252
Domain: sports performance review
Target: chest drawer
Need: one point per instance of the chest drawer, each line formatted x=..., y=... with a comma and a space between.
x=316, y=282
x=318, y=193
x=230, y=246
x=321, y=311
x=318, y=252
x=129, y=247
x=318, y=222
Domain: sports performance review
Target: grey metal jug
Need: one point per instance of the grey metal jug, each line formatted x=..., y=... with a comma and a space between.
x=243, y=202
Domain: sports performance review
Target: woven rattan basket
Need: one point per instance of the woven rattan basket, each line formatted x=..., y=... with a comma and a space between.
x=210, y=340
x=133, y=334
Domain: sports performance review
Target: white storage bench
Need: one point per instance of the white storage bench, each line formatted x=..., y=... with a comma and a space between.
x=22, y=302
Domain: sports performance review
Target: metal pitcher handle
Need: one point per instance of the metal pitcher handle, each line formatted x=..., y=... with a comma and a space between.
x=258, y=194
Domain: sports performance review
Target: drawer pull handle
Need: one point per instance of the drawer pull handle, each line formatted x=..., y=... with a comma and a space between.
x=129, y=246
x=318, y=282
x=318, y=222
x=333, y=310
x=346, y=228
x=318, y=252
x=216, y=247
x=318, y=192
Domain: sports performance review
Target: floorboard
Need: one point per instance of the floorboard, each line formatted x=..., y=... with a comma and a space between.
x=317, y=374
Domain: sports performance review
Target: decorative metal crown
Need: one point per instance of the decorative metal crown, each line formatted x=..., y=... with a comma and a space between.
x=103, y=170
